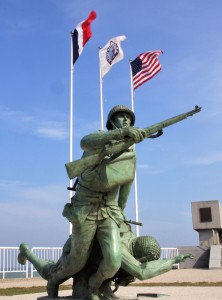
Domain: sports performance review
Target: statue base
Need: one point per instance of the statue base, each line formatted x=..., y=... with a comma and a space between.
x=70, y=298
x=139, y=296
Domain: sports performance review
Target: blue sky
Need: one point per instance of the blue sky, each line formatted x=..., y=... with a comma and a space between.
x=182, y=166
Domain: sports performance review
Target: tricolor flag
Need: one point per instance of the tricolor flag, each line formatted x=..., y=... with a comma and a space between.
x=145, y=67
x=81, y=35
x=110, y=54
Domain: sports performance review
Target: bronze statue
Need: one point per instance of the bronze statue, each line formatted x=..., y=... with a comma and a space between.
x=140, y=259
x=105, y=175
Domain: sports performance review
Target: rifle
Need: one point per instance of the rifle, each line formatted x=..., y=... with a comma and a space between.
x=77, y=167
x=133, y=222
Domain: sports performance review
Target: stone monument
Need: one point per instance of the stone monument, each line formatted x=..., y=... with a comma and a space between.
x=207, y=221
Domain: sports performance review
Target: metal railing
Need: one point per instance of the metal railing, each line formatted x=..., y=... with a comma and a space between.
x=168, y=253
x=46, y=253
x=9, y=263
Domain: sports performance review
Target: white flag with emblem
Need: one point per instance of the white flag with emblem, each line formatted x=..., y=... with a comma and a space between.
x=110, y=54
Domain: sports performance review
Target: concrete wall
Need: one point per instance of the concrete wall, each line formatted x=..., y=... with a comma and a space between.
x=215, y=257
x=201, y=257
x=215, y=207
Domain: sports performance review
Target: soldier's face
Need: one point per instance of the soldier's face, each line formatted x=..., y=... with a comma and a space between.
x=122, y=120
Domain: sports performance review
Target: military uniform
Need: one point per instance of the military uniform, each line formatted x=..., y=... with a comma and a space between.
x=95, y=212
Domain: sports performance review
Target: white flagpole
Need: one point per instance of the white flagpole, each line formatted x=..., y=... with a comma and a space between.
x=135, y=179
x=71, y=123
x=101, y=93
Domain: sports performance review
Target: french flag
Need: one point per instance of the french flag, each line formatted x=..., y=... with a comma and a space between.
x=81, y=35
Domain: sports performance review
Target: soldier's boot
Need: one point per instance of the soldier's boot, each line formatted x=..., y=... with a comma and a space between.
x=42, y=266
x=106, y=291
x=55, y=278
x=92, y=295
x=94, y=284
x=52, y=288
x=23, y=253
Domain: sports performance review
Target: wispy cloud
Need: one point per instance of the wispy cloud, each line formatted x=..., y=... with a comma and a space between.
x=207, y=160
x=9, y=184
x=149, y=169
x=28, y=212
x=144, y=166
x=53, y=130
x=36, y=124
x=50, y=125
x=24, y=194
x=84, y=127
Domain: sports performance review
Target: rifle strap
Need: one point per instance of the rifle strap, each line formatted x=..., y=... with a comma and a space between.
x=74, y=185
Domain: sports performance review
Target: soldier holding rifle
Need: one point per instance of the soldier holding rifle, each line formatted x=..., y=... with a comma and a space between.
x=96, y=210
x=100, y=198
x=105, y=175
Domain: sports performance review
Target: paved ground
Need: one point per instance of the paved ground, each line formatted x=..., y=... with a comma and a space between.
x=166, y=293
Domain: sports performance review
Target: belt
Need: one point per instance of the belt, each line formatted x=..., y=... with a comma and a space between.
x=86, y=196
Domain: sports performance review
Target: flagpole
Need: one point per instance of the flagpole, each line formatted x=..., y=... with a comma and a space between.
x=101, y=94
x=71, y=122
x=135, y=179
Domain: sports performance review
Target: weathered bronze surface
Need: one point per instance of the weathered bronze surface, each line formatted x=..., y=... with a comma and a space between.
x=102, y=248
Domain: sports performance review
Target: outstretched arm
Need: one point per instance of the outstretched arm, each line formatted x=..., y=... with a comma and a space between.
x=150, y=269
x=99, y=139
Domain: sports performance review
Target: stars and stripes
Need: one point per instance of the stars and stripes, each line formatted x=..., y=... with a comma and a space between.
x=81, y=35
x=145, y=67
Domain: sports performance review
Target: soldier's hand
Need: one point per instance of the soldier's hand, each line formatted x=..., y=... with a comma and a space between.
x=137, y=134
x=183, y=257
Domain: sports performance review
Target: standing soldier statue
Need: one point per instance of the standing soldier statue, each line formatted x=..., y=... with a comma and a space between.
x=105, y=174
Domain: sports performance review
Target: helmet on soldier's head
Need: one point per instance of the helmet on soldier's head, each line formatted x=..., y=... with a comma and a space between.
x=145, y=246
x=116, y=109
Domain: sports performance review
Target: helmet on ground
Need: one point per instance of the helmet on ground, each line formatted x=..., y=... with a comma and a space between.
x=145, y=246
x=116, y=109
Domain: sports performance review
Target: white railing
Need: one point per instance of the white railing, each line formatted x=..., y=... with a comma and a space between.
x=168, y=253
x=9, y=263
x=46, y=253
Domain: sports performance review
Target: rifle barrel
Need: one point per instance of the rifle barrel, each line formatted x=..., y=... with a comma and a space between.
x=77, y=167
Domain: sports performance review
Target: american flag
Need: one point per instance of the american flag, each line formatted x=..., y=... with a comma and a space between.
x=145, y=67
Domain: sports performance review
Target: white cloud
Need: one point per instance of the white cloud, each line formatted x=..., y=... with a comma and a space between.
x=86, y=128
x=53, y=130
x=37, y=124
x=149, y=169
x=207, y=160
x=32, y=214
x=21, y=193
x=9, y=184
x=52, y=125
x=144, y=166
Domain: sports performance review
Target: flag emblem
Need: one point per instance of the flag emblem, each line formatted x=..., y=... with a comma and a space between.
x=112, y=52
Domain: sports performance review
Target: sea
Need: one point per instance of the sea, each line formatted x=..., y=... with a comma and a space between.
x=13, y=275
